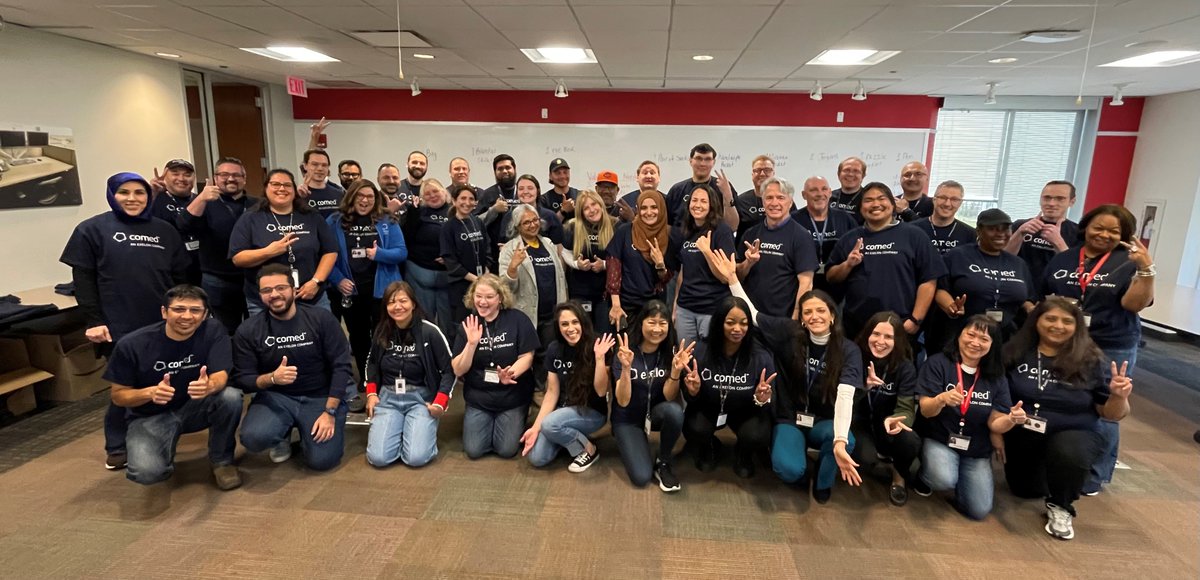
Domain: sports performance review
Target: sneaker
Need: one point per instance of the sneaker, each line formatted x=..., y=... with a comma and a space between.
x=227, y=477
x=822, y=495
x=1092, y=493
x=898, y=495
x=666, y=477
x=281, y=452
x=357, y=404
x=115, y=460
x=920, y=487
x=583, y=461
x=1060, y=522
x=883, y=458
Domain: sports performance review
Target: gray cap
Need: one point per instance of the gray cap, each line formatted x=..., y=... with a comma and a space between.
x=993, y=217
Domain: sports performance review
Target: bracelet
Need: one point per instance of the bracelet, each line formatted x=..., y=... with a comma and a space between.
x=763, y=403
x=369, y=395
x=1147, y=272
x=438, y=405
x=674, y=378
x=272, y=375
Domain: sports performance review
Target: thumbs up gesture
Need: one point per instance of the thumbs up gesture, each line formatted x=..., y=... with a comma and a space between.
x=284, y=375
x=955, y=396
x=1016, y=414
x=199, y=388
x=163, y=392
x=210, y=192
x=371, y=250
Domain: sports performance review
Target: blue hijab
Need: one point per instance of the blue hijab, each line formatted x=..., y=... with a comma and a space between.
x=122, y=178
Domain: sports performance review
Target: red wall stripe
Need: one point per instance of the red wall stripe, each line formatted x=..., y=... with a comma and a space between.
x=1111, y=164
x=1127, y=117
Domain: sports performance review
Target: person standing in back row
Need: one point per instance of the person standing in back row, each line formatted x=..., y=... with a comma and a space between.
x=778, y=258
x=323, y=195
x=848, y=197
x=914, y=204
x=561, y=197
x=178, y=181
x=1036, y=240
x=702, y=158
x=749, y=203
x=944, y=228
x=826, y=224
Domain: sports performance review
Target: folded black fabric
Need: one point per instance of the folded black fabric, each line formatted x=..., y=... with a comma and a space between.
x=66, y=289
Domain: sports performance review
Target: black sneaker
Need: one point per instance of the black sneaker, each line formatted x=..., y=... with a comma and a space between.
x=115, y=460
x=583, y=461
x=666, y=477
x=706, y=459
x=898, y=495
x=822, y=495
x=920, y=487
x=743, y=466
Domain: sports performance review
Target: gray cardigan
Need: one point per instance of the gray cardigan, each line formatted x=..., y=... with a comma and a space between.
x=525, y=287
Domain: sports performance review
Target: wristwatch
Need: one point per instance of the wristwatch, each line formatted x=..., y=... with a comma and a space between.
x=332, y=411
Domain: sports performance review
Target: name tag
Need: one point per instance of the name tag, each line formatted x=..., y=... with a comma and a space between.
x=1035, y=424
x=358, y=252
x=491, y=376
x=722, y=419
x=401, y=387
x=1087, y=320
x=960, y=442
x=805, y=420
x=821, y=269
x=995, y=315
x=295, y=278
x=647, y=425
x=192, y=246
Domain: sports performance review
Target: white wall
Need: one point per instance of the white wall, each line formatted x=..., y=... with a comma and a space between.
x=1165, y=167
x=126, y=111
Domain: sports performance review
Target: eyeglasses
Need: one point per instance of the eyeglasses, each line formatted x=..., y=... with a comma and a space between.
x=368, y=196
x=225, y=175
x=946, y=198
x=273, y=289
x=763, y=171
x=280, y=185
x=350, y=174
x=194, y=311
x=526, y=223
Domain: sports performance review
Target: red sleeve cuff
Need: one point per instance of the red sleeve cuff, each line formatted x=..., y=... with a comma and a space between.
x=372, y=388
x=442, y=399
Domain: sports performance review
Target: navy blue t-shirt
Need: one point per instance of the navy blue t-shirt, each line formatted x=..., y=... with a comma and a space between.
x=896, y=260
x=325, y=200
x=1001, y=282
x=1037, y=252
x=922, y=208
x=638, y=277
x=735, y=378
x=361, y=234
x=560, y=360
x=423, y=235
x=826, y=232
x=312, y=341
x=1112, y=326
x=630, y=199
x=898, y=382
x=464, y=246
x=214, y=228
x=816, y=368
x=401, y=359
x=552, y=201
x=546, y=276
x=701, y=291
x=847, y=202
x=135, y=261
x=143, y=356
x=650, y=372
x=938, y=375
x=1064, y=406
x=168, y=208
x=680, y=194
x=505, y=339
x=257, y=229
x=944, y=239
x=580, y=284
x=750, y=212
x=785, y=251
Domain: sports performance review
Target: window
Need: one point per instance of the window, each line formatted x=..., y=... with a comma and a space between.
x=1003, y=158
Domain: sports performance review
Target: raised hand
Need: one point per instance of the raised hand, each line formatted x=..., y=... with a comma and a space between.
x=752, y=251
x=394, y=205
x=856, y=256
x=656, y=254
x=284, y=374
x=894, y=425
x=603, y=345
x=568, y=206
x=704, y=243
x=723, y=184
x=1031, y=227
x=1138, y=254
x=159, y=183
x=473, y=329
x=1120, y=385
x=163, y=392
x=302, y=190
x=1016, y=414
x=873, y=380
x=319, y=127
x=198, y=389
x=957, y=307
x=762, y=392
x=724, y=266
x=682, y=356
x=624, y=210
x=210, y=192
x=518, y=256
x=624, y=353
x=846, y=464
x=692, y=380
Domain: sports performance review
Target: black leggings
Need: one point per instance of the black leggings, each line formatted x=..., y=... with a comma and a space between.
x=752, y=427
x=1053, y=466
x=361, y=318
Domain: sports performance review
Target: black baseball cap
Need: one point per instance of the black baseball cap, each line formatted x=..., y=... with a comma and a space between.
x=181, y=164
x=558, y=163
x=993, y=217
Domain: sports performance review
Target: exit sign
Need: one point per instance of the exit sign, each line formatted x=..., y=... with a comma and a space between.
x=297, y=87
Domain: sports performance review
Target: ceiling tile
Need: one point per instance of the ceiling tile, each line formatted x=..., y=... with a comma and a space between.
x=631, y=18
x=762, y=64
x=691, y=83
x=346, y=17
x=746, y=84
x=919, y=19
x=716, y=27
x=681, y=64
x=1019, y=19
x=636, y=83
x=508, y=18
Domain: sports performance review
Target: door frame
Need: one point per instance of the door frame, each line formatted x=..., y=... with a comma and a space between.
x=207, y=78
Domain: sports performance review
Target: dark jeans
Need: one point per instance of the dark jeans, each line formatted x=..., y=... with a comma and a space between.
x=225, y=299
x=458, y=310
x=1053, y=466
x=272, y=416
x=361, y=318
x=752, y=427
x=152, y=440
x=116, y=424
x=634, y=445
x=1110, y=431
x=903, y=448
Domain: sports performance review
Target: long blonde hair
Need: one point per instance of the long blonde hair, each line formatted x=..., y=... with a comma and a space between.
x=604, y=230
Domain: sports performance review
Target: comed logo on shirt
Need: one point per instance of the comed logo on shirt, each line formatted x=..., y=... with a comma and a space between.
x=772, y=248
x=174, y=367
x=1030, y=372
x=562, y=365
x=1100, y=280
x=138, y=240
x=730, y=381
x=288, y=341
x=471, y=236
x=295, y=228
x=982, y=398
x=402, y=349
x=495, y=342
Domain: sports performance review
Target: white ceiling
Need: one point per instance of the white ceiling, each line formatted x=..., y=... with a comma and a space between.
x=649, y=44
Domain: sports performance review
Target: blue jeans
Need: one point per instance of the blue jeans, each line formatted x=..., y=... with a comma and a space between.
x=942, y=469
x=401, y=429
x=789, y=452
x=322, y=301
x=152, y=440
x=690, y=325
x=225, y=299
x=1110, y=431
x=634, y=445
x=432, y=288
x=565, y=427
x=272, y=416
x=487, y=432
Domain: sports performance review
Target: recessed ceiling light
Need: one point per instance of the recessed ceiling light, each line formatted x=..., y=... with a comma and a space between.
x=1004, y=60
x=855, y=57
x=167, y=55
x=1050, y=36
x=1161, y=58
x=422, y=56
x=559, y=55
x=1145, y=43
x=702, y=57
x=292, y=54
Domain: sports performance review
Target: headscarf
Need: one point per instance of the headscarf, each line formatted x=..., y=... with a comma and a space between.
x=659, y=231
x=119, y=179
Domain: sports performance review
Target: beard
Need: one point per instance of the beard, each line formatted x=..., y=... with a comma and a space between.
x=506, y=181
x=287, y=305
x=416, y=173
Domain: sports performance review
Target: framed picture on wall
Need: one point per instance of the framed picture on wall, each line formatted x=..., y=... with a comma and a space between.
x=37, y=167
x=1149, y=222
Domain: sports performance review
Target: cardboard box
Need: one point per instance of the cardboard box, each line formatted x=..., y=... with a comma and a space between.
x=72, y=360
x=17, y=377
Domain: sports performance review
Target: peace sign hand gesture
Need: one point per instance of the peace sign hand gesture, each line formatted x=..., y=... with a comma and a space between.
x=873, y=380
x=1120, y=385
x=683, y=355
x=624, y=353
x=762, y=393
x=723, y=184
x=1138, y=254
x=956, y=308
x=656, y=254
x=856, y=256
x=752, y=251
x=692, y=380
x=159, y=183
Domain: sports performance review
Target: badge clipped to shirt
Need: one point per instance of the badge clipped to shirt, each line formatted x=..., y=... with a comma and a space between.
x=1035, y=424
x=722, y=419
x=192, y=246
x=358, y=252
x=587, y=306
x=401, y=386
x=295, y=278
x=1087, y=320
x=960, y=442
x=821, y=268
x=995, y=315
x=647, y=425
x=805, y=420
x=491, y=376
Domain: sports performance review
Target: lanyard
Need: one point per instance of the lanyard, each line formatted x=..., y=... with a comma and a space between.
x=873, y=393
x=820, y=235
x=949, y=235
x=650, y=375
x=1084, y=282
x=471, y=236
x=291, y=217
x=726, y=388
x=966, y=404
x=813, y=375
x=1041, y=384
x=491, y=346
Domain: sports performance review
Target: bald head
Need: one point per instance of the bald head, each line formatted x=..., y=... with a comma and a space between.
x=914, y=178
x=816, y=194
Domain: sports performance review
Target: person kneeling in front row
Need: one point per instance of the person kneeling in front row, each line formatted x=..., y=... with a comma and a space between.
x=296, y=360
x=409, y=382
x=185, y=360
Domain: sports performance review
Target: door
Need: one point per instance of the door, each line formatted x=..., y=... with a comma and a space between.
x=237, y=108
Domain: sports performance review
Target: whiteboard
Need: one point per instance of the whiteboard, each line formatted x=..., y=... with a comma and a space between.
x=799, y=152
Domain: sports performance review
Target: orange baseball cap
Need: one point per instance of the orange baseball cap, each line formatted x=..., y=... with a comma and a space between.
x=607, y=176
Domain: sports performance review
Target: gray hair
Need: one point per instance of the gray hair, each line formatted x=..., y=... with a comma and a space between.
x=518, y=214
x=785, y=186
x=951, y=184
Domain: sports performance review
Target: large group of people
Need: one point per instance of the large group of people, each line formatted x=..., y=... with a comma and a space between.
x=870, y=329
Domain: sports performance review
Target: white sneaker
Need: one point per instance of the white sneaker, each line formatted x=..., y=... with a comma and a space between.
x=1060, y=522
x=281, y=452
